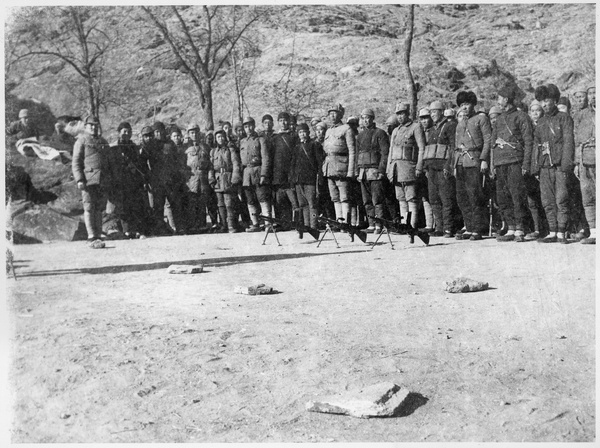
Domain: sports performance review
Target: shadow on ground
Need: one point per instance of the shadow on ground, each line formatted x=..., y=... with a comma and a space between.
x=206, y=262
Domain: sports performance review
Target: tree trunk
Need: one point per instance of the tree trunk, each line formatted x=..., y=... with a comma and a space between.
x=207, y=107
x=412, y=91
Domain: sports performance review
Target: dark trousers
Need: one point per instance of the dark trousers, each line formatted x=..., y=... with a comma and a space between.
x=373, y=197
x=442, y=197
x=534, y=202
x=470, y=197
x=555, y=198
x=511, y=195
x=284, y=201
x=257, y=194
x=161, y=194
x=587, y=179
x=307, y=202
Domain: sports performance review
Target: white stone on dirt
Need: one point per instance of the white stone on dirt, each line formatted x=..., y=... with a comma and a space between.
x=253, y=290
x=378, y=400
x=184, y=269
x=463, y=284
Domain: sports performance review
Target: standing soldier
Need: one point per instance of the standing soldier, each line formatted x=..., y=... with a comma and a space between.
x=422, y=189
x=512, y=140
x=405, y=161
x=268, y=127
x=437, y=163
x=373, y=146
x=585, y=160
x=127, y=197
x=282, y=145
x=339, y=165
x=200, y=191
x=92, y=172
x=24, y=128
x=471, y=159
x=256, y=163
x=226, y=177
x=325, y=204
x=304, y=173
x=554, y=134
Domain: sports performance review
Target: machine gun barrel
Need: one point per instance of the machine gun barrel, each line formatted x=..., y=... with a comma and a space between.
x=352, y=230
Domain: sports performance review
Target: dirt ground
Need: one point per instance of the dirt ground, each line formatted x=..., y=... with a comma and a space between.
x=108, y=347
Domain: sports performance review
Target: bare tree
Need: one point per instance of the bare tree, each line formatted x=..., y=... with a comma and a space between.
x=243, y=62
x=78, y=36
x=294, y=93
x=202, y=39
x=410, y=82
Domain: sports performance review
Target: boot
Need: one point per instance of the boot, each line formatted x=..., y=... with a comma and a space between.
x=403, y=210
x=89, y=224
x=413, y=208
x=98, y=223
x=346, y=212
x=265, y=208
x=354, y=216
x=223, y=215
x=338, y=210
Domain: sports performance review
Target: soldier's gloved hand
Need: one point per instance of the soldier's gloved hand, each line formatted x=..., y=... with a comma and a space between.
x=576, y=171
x=493, y=173
x=418, y=173
x=263, y=180
x=524, y=172
x=81, y=185
x=484, y=166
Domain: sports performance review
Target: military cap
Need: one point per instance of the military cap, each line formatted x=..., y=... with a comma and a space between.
x=314, y=121
x=590, y=88
x=337, y=108
x=174, y=128
x=293, y=119
x=248, y=120
x=535, y=104
x=193, y=127
x=322, y=125
x=392, y=120
x=283, y=115
x=303, y=127
x=352, y=120
x=549, y=91
x=147, y=130
x=266, y=117
x=466, y=97
x=92, y=119
x=402, y=107
x=226, y=123
x=210, y=132
x=495, y=109
x=564, y=101
x=220, y=130
x=436, y=105
x=449, y=112
x=23, y=113
x=368, y=112
x=123, y=125
x=507, y=91
x=238, y=125
x=158, y=126
x=580, y=88
x=300, y=119
x=424, y=113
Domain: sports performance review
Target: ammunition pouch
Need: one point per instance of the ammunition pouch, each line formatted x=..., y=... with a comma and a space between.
x=410, y=153
x=436, y=151
x=369, y=159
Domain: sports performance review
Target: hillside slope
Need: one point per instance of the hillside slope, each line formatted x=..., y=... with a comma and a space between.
x=351, y=54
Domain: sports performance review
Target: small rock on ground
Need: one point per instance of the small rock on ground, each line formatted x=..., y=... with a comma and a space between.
x=184, y=269
x=463, y=284
x=378, y=400
x=253, y=290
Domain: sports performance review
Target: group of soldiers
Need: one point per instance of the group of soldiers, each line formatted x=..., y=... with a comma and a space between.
x=446, y=170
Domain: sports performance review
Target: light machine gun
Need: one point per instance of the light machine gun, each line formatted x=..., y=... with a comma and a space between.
x=396, y=226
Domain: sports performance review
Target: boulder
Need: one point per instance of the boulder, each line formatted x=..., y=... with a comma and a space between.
x=378, y=400
x=68, y=198
x=41, y=223
x=351, y=70
x=463, y=284
x=184, y=269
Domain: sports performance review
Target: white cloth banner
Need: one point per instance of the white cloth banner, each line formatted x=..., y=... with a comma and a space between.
x=30, y=147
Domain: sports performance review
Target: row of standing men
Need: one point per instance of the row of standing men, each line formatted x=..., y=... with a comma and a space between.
x=434, y=168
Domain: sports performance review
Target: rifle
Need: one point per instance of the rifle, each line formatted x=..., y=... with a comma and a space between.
x=296, y=225
x=396, y=226
x=352, y=230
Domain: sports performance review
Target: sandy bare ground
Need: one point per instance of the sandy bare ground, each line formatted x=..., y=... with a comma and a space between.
x=108, y=347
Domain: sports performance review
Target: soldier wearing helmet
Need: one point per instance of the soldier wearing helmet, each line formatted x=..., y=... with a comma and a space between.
x=24, y=127
x=256, y=164
x=373, y=146
x=339, y=166
x=437, y=163
x=93, y=173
